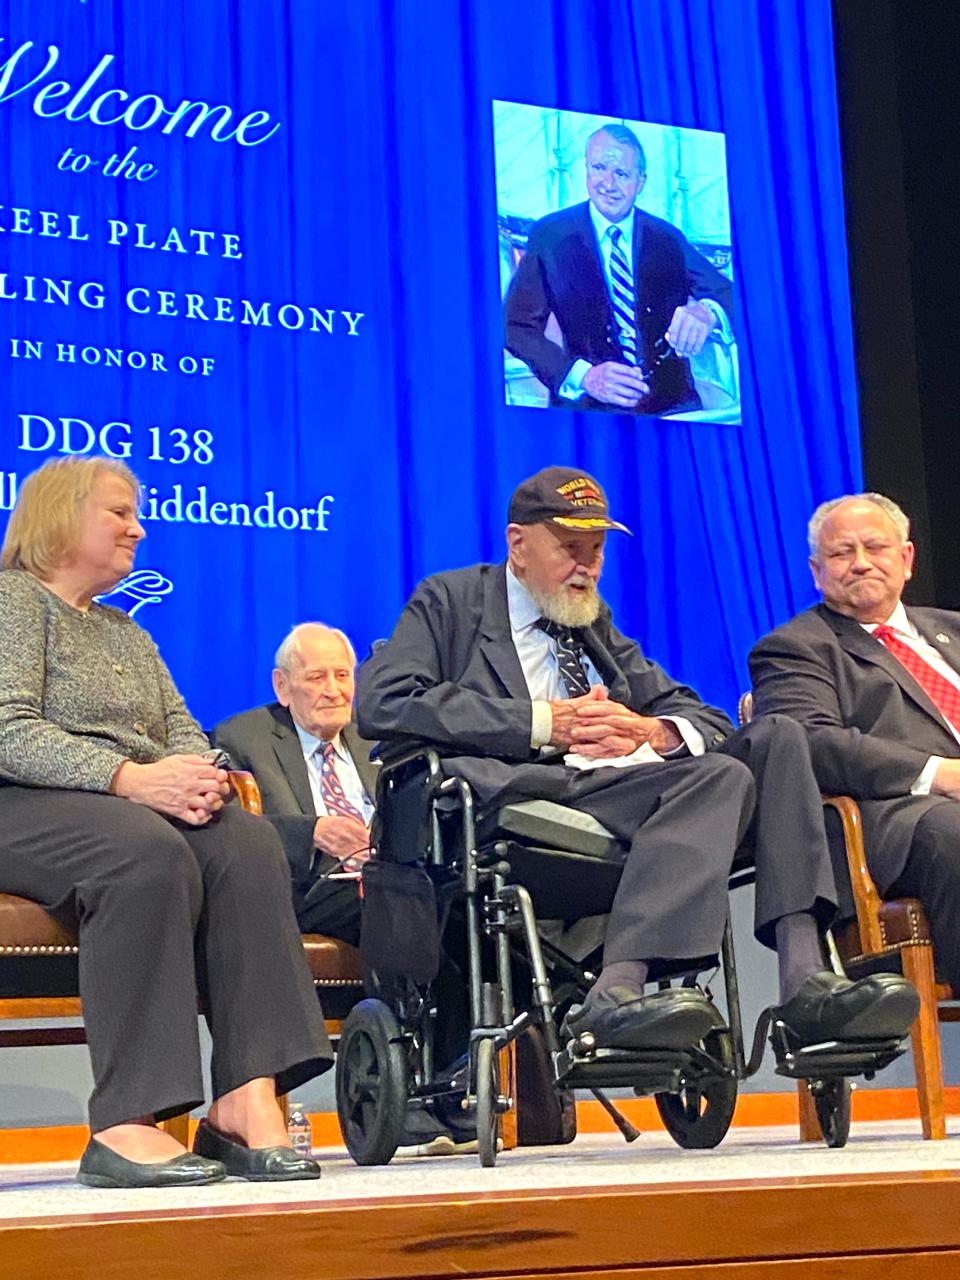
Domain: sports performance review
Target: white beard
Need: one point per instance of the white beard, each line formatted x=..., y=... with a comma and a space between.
x=581, y=610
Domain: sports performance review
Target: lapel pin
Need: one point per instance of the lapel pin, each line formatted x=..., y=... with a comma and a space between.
x=942, y=638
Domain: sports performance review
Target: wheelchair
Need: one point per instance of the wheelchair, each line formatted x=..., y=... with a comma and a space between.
x=499, y=872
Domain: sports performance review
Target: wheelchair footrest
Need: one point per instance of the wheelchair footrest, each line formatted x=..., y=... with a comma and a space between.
x=643, y=1070
x=830, y=1058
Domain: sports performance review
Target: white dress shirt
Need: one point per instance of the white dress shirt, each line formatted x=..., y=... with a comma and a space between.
x=541, y=669
x=911, y=637
x=344, y=768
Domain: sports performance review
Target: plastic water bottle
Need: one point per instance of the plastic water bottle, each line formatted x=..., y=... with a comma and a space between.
x=298, y=1128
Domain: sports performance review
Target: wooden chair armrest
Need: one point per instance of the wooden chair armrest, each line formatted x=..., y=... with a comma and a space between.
x=865, y=896
x=246, y=790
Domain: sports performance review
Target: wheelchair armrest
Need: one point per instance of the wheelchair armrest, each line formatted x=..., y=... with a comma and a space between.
x=407, y=785
x=406, y=764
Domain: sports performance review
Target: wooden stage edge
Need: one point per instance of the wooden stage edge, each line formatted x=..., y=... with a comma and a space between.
x=841, y=1228
x=38, y=1145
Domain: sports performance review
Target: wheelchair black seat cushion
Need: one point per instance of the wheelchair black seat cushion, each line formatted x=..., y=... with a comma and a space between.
x=544, y=822
x=569, y=862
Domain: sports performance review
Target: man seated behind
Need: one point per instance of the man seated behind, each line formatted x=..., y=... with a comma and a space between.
x=314, y=771
x=505, y=668
x=876, y=686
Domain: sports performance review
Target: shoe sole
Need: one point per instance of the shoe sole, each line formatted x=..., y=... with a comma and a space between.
x=889, y=1019
x=101, y=1180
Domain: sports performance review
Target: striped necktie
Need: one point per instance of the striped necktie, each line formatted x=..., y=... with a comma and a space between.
x=624, y=300
x=569, y=657
x=331, y=789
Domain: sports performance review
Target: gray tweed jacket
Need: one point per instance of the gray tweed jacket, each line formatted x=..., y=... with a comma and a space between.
x=81, y=692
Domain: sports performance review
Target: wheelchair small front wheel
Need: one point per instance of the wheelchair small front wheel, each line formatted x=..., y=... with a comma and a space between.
x=488, y=1091
x=699, y=1116
x=831, y=1098
x=371, y=1083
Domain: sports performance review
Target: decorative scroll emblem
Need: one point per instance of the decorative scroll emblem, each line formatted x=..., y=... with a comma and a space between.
x=143, y=586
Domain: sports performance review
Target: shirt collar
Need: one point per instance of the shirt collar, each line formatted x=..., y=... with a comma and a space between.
x=309, y=743
x=898, y=620
x=601, y=225
x=524, y=612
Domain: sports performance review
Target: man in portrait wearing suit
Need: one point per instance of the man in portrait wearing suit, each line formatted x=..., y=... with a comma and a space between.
x=632, y=297
x=314, y=772
x=876, y=686
x=517, y=675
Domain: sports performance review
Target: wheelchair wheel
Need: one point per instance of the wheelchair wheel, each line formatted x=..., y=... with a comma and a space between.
x=699, y=1116
x=371, y=1083
x=831, y=1098
x=488, y=1090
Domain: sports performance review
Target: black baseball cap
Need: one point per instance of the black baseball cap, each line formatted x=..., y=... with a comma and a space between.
x=565, y=497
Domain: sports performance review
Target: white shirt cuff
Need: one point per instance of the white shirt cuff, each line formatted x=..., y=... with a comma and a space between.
x=571, y=388
x=692, y=737
x=927, y=774
x=723, y=330
x=541, y=724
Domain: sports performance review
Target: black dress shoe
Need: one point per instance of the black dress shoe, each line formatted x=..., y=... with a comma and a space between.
x=625, y=1018
x=101, y=1167
x=256, y=1164
x=828, y=1007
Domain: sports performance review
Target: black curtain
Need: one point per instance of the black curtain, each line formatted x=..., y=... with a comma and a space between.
x=897, y=68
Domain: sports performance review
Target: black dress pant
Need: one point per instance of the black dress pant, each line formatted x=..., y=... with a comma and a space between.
x=786, y=839
x=932, y=874
x=165, y=910
x=328, y=906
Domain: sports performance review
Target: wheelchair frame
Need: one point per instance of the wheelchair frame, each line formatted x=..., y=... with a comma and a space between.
x=385, y=1061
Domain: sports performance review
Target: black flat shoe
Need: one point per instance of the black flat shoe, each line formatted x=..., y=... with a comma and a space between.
x=828, y=1007
x=101, y=1167
x=256, y=1164
x=625, y=1018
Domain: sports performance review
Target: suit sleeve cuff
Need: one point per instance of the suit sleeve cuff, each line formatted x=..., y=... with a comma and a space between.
x=541, y=724
x=927, y=774
x=692, y=737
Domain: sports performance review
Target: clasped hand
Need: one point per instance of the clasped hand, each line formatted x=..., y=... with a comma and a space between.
x=599, y=728
x=182, y=786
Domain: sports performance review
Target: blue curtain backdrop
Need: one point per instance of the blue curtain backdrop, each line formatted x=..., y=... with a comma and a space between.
x=376, y=195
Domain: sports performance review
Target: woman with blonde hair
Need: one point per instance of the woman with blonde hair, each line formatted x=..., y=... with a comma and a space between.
x=113, y=817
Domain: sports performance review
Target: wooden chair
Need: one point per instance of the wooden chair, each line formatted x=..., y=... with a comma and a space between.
x=38, y=969
x=886, y=936
x=895, y=935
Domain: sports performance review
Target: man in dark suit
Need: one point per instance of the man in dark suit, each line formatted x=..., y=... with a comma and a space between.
x=314, y=771
x=516, y=673
x=632, y=297
x=876, y=686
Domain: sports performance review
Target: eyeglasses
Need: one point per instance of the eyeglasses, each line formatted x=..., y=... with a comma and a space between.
x=350, y=867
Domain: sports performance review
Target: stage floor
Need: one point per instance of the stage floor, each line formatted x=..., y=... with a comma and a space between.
x=760, y=1205
x=592, y=1161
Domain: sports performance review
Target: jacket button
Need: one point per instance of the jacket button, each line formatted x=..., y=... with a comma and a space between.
x=118, y=668
x=139, y=727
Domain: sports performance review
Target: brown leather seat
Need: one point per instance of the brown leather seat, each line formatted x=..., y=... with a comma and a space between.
x=38, y=963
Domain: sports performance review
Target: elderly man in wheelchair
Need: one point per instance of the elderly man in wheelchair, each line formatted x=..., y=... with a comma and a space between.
x=537, y=763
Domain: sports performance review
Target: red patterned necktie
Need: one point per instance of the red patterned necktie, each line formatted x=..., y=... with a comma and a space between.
x=331, y=789
x=944, y=696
